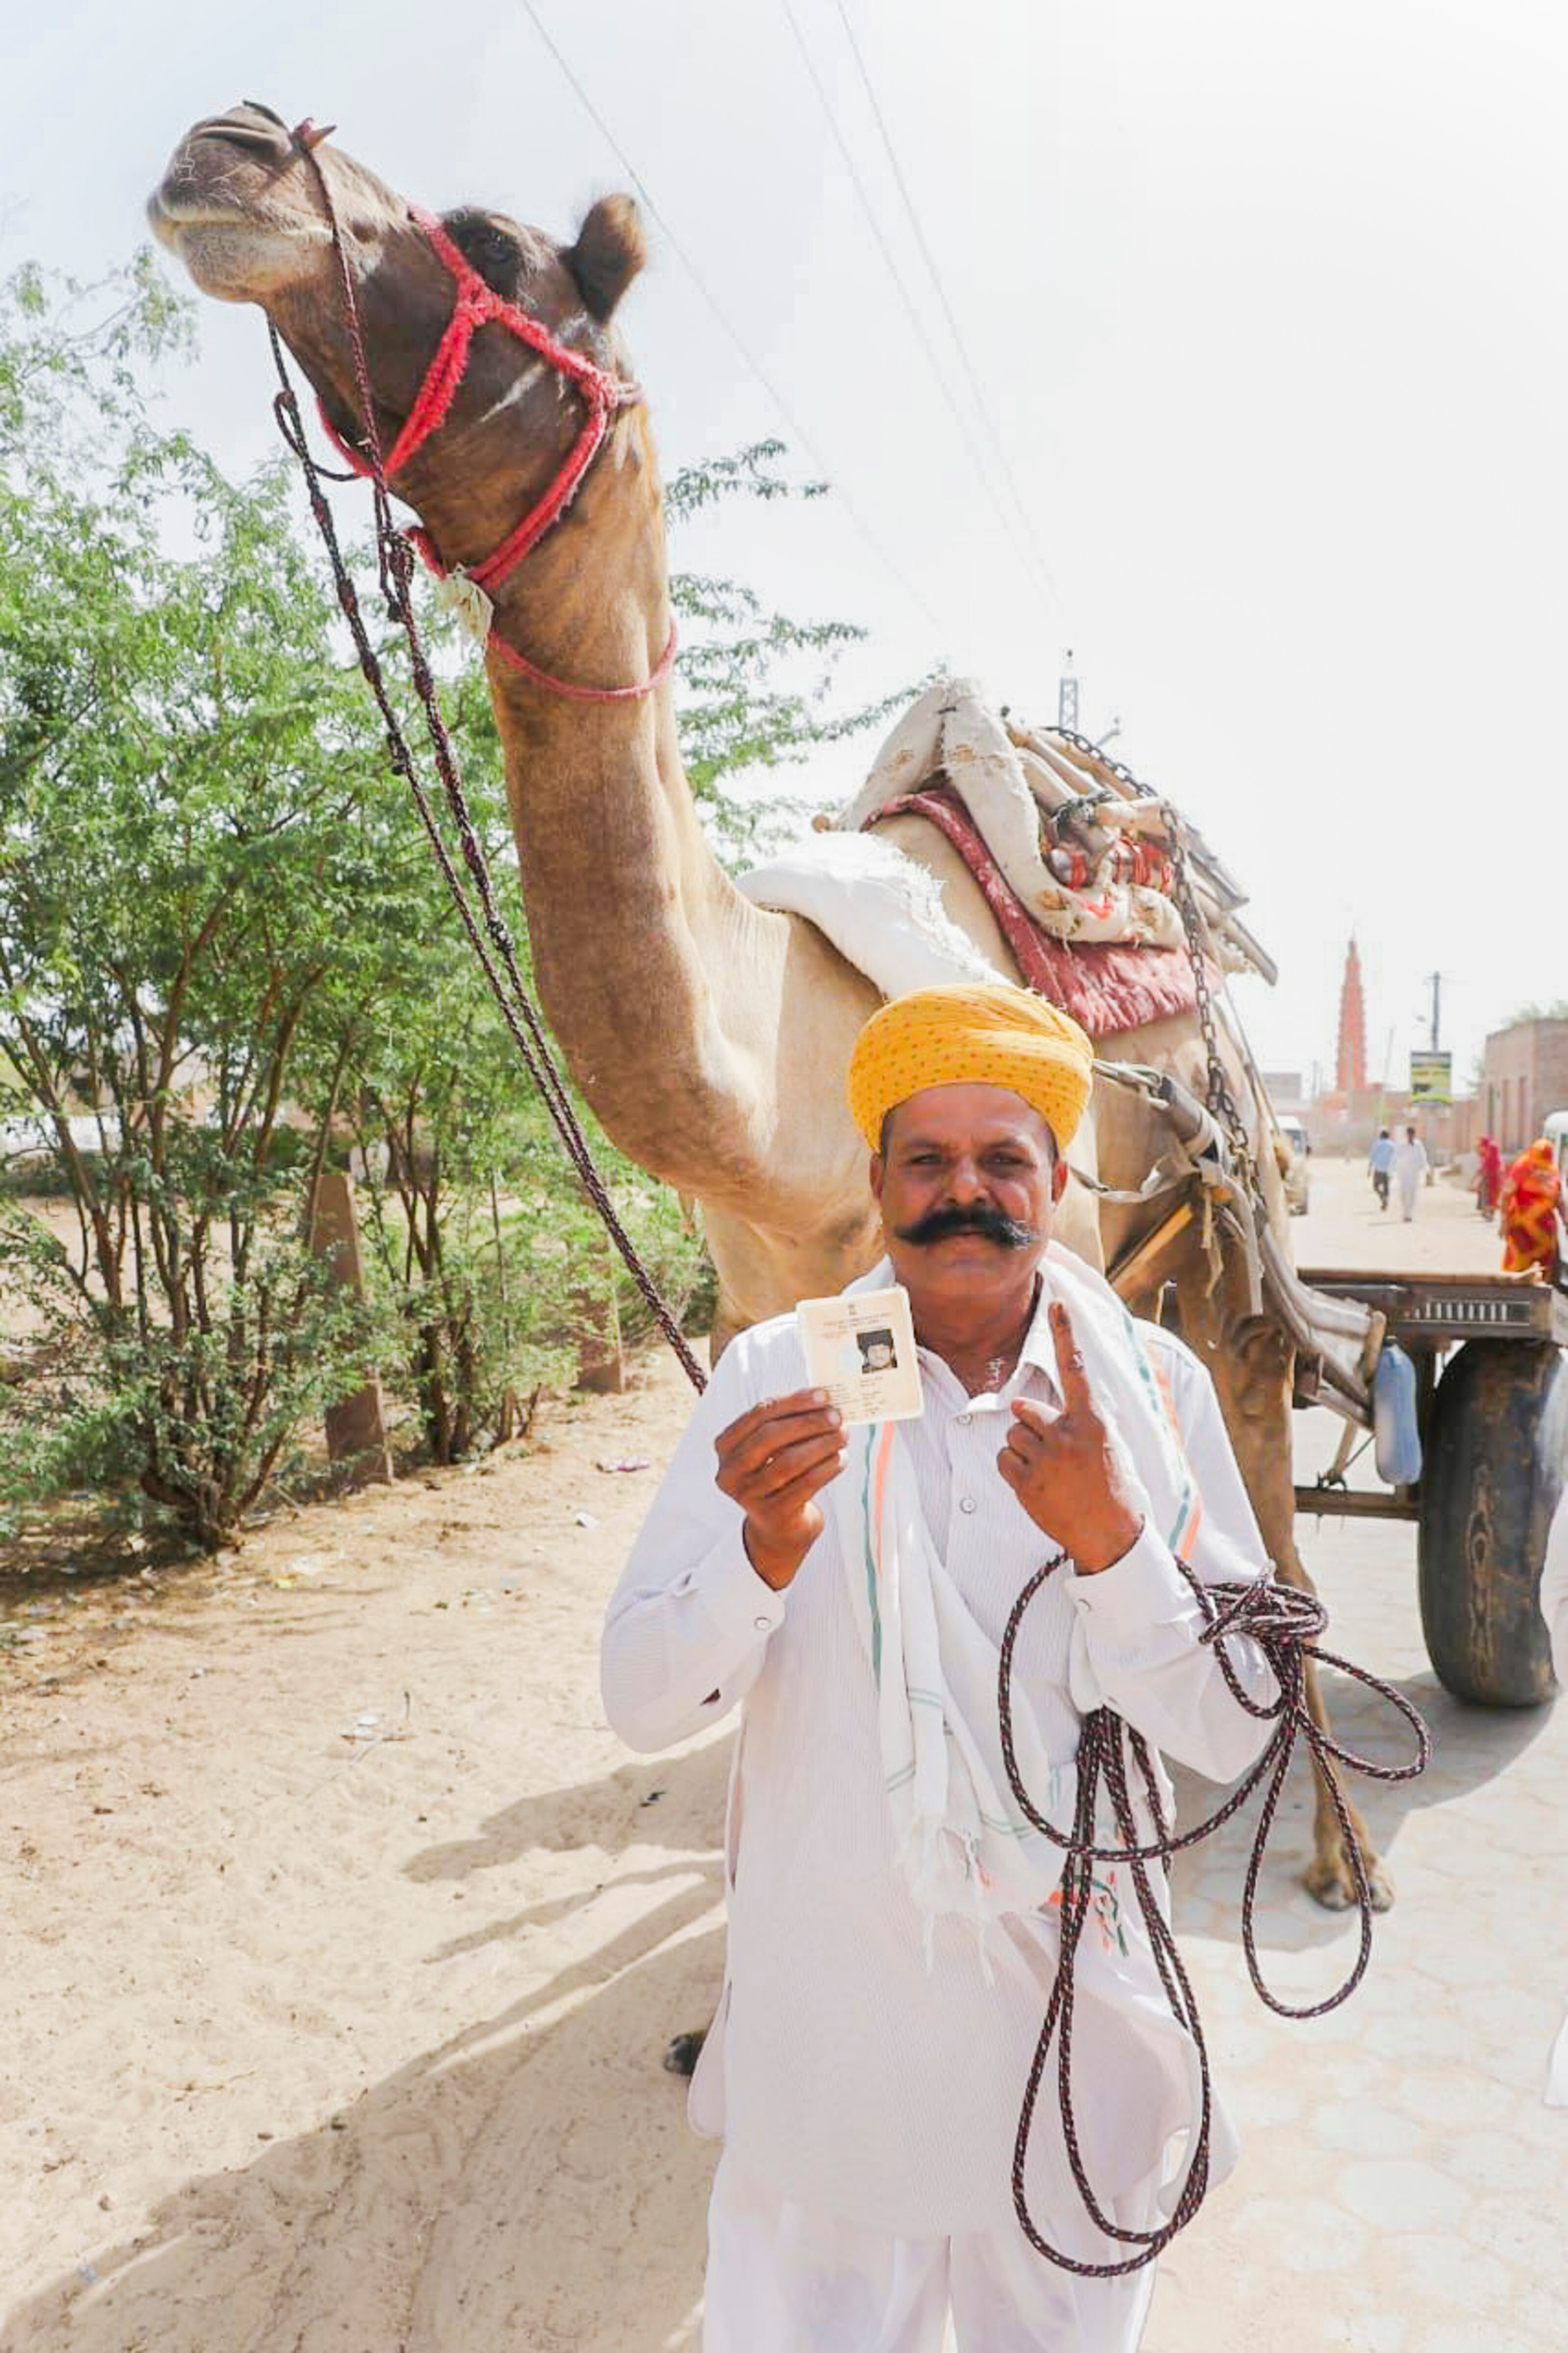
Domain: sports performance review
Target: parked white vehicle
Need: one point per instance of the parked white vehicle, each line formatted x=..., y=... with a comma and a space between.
x=1556, y=1134
x=1296, y=1174
x=29, y=1138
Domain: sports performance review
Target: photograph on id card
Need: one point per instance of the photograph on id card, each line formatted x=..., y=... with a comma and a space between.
x=860, y=1348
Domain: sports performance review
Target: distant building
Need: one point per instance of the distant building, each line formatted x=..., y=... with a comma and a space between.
x=1524, y=1075
x=1350, y=1062
x=1285, y=1091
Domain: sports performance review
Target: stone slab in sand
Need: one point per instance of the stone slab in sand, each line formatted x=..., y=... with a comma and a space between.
x=319, y=2045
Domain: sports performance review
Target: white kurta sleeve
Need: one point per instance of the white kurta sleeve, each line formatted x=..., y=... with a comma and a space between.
x=1136, y=1646
x=690, y=1621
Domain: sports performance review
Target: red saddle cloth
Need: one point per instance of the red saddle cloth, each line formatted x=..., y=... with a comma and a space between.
x=1104, y=985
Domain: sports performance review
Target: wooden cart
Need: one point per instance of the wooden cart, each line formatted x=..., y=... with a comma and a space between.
x=1490, y=1353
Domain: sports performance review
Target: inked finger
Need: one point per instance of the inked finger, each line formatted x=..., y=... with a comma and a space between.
x=1069, y=1362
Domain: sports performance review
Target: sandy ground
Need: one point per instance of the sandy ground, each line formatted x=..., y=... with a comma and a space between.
x=342, y=1940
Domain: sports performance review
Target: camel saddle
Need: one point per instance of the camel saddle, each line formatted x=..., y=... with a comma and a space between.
x=1076, y=863
x=1107, y=985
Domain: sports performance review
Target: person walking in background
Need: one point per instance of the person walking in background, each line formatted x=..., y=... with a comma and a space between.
x=1409, y=1166
x=1489, y=1176
x=1532, y=1212
x=1380, y=1160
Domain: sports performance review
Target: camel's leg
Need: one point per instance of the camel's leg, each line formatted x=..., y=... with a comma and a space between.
x=1252, y=1365
x=1329, y=1875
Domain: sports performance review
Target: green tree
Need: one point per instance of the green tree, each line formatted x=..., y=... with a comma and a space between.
x=1557, y=1011
x=754, y=684
x=490, y=1257
x=226, y=954
x=191, y=814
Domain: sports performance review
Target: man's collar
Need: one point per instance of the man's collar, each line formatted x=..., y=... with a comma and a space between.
x=1039, y=1347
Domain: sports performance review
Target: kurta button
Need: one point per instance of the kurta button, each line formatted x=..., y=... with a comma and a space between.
x=968, y=1503
x=763, y=1625
x=965, y=1418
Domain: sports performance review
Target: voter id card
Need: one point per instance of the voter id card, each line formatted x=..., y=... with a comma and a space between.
x=860, y=1348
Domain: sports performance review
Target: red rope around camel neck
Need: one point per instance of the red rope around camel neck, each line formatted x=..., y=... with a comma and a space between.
x=478, y=305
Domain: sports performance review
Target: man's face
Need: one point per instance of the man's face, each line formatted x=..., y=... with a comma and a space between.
x=879, y=1356
x=967, y=1182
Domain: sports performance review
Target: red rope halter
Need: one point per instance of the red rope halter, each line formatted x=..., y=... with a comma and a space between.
x=478, y=305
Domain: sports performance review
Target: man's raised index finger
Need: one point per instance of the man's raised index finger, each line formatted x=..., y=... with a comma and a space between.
x=1069, y=1364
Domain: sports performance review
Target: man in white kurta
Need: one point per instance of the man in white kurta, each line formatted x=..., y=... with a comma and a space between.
x=1410, y=1164
x=867, y=2059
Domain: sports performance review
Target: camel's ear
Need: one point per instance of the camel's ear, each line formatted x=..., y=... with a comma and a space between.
x=611, y=249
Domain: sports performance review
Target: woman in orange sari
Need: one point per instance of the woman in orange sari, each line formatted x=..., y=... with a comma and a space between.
x=1489, y=1176
x=1531, y=1212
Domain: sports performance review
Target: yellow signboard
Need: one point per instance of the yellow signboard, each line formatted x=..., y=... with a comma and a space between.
x=1431, y=1078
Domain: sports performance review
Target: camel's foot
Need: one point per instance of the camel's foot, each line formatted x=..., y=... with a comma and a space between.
x=681, y=2055
x=1329, y=1879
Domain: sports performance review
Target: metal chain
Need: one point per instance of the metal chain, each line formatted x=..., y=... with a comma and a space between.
x=1118, y=769
x=1219, y=1099
x=1218, y=1096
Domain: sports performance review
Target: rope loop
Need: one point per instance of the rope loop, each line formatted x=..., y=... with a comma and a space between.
x=1285, y=1624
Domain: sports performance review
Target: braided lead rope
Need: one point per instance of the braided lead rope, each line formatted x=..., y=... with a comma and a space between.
x=395, y=563
x=1284, y=1624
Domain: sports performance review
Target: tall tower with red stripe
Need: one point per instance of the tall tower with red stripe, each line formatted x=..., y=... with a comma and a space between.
x=1349, y=1065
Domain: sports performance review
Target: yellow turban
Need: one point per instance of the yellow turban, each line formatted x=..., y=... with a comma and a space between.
x=973, y=1033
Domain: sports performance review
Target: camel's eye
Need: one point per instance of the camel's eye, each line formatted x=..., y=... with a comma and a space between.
x=495, y=252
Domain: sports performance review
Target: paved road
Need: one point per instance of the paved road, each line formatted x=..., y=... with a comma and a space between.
x=1402, y=2188
x=1344, y=1226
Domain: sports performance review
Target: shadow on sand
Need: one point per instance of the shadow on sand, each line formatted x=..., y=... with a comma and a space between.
x=506, y=2188
x=531, y=2182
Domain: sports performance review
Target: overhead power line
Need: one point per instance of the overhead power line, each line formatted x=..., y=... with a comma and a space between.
x=929, y=258
x=1019, y=543
x=884, y=557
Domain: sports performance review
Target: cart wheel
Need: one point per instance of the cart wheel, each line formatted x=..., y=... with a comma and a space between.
x=1496, y=1457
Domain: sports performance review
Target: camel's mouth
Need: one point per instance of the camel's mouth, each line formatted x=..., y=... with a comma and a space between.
x=238, y=205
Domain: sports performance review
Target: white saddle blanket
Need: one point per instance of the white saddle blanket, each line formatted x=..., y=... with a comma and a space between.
x=882, y=912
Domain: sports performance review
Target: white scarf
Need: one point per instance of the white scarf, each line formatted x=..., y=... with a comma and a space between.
x=962, y=1843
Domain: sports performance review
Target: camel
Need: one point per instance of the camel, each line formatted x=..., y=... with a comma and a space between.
x=709, y=1035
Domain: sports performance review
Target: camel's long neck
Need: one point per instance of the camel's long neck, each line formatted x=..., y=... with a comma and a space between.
x=643, y=952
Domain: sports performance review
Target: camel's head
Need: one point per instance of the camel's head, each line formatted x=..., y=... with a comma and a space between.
x=240, y=206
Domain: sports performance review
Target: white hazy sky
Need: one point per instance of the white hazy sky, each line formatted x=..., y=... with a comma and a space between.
x=1267, y=304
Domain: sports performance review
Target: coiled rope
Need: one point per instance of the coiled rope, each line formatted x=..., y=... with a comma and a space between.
x=1285, y=1624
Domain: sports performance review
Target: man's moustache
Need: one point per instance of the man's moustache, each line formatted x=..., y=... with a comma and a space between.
x=994, y=1224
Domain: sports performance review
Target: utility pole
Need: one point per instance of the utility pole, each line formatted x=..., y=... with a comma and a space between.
x=1067, y=695
x=1436, y=980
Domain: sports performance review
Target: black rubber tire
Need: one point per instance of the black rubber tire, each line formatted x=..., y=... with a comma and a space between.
x=1496, y=1454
